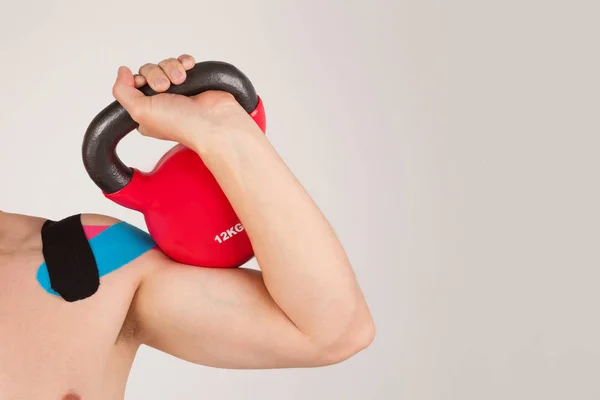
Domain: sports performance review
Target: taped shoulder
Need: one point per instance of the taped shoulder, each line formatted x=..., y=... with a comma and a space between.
x=81, y=249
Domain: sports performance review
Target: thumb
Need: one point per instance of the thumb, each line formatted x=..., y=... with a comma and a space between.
x=125, y=92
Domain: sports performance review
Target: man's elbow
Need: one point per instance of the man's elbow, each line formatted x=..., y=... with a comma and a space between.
x=362, y=338
x=351, y=343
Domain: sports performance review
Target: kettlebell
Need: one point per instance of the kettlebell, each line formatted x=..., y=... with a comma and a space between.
x=185, y=210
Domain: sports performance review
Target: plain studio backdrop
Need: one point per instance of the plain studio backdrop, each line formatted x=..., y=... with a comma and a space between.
x=453, y=146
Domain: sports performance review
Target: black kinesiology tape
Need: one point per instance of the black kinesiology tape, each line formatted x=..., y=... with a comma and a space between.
x=71, y=263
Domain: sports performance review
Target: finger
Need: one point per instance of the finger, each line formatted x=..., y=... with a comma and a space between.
x=134, y=101
x=155, y=77
x=187, y=61
x=139, y=81
x=173, y=69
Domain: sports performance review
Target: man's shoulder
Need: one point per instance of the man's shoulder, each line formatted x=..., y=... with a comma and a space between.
x=116, y=237
x=99, y=220
x=116, y=243
x=115, y=233
x=95, y=224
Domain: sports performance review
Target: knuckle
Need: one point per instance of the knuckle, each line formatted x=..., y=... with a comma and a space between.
x=146, y=69
x=173, y=68
x=168, y=63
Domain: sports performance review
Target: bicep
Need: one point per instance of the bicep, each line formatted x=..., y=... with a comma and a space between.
x=218, y=317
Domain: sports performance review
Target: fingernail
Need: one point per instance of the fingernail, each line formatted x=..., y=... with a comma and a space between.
x=176, y=74
x=160, y=81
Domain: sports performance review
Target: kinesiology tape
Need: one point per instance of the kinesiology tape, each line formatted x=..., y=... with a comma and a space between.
x=77, y=256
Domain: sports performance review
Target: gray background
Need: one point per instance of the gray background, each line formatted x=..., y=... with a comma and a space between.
x=452, y=145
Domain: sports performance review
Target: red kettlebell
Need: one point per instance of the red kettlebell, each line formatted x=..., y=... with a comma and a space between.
x=186, y=212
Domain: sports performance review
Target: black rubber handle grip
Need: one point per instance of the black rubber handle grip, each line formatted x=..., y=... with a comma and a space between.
x=113, y=123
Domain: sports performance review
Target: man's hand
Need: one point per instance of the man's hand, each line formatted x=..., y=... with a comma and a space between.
x=186, y=120
x=305, y=307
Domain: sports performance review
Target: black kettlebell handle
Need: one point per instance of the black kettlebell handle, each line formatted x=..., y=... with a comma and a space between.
x=113, y=123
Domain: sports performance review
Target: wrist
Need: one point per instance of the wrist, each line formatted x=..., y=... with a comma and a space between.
x=223, y=145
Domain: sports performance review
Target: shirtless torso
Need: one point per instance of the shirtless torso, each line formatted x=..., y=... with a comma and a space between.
x=53, y=349
x=304, y=308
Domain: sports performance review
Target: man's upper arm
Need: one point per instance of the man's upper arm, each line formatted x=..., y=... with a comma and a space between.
x=217, y=317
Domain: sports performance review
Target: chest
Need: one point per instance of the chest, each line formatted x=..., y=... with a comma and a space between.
x=47, y=340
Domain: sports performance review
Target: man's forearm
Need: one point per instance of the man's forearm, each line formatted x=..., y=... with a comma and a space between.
x=304, y=266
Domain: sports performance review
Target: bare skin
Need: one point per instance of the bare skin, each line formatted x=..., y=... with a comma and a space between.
x=303, y=309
